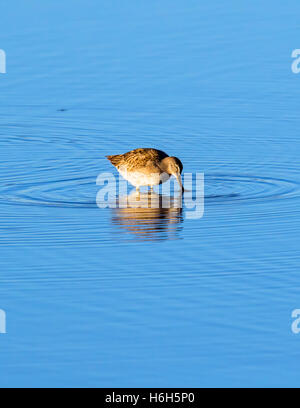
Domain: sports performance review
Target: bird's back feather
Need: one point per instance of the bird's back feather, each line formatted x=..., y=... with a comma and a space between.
x=137, y=158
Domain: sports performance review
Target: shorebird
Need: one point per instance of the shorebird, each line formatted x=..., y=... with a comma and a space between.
x=147, y=167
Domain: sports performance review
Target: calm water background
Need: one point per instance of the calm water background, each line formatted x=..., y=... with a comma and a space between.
x=98, y=298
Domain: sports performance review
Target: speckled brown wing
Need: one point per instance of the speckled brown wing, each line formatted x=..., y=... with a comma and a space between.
x=137, y=158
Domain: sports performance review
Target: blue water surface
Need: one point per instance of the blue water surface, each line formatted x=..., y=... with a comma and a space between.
x=114, y=298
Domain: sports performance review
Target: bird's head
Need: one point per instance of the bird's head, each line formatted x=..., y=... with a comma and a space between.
x=173, y=167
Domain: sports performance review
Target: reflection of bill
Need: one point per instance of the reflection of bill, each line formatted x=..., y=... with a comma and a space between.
x=192, y=200
x=2, y=322
x=145, y=216
x=2, y=62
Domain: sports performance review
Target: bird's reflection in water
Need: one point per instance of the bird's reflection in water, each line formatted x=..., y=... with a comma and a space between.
x=149, y=216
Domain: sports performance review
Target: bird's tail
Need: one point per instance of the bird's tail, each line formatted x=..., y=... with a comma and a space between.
x=114, y=159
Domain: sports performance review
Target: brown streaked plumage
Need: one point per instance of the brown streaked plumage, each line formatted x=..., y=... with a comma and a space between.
x=147, y=167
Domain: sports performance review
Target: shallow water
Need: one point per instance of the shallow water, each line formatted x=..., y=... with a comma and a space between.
x=115, y=297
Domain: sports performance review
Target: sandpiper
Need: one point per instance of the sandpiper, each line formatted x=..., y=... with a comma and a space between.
x=147, y=167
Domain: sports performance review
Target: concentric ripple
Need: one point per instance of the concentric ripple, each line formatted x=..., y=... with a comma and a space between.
x=236, y=188
x=81, y=191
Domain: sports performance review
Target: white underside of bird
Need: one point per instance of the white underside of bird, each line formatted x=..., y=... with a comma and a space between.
x=139, y=179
